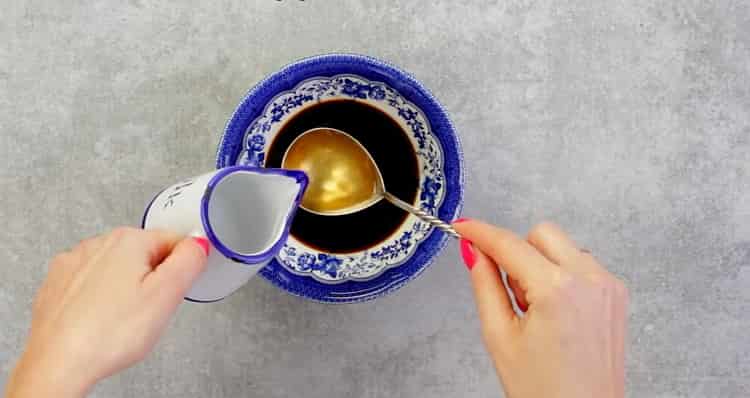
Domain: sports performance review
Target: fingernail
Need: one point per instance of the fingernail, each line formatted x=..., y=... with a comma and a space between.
x=460, y=220
x=467, y=252
x=203, y=242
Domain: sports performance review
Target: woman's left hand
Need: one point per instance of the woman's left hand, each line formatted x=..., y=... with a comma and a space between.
x=102, y=308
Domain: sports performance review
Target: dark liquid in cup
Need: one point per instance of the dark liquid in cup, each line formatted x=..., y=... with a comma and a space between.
x=392, y=151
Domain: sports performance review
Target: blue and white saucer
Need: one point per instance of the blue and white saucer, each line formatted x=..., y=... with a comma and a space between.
x=385, y=267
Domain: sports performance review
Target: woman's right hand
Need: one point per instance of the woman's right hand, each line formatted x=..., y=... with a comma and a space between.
x=570, y=342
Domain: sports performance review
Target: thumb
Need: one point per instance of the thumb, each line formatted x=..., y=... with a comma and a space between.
x=176, y=274
x=494, y=306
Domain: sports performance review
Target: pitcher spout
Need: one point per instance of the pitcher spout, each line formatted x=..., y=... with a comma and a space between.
x=247, y=211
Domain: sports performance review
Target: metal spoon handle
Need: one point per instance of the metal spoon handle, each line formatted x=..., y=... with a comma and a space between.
x=434, y=221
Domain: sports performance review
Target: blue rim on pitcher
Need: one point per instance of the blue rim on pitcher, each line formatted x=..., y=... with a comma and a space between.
x=253, y=105
x=299, y=176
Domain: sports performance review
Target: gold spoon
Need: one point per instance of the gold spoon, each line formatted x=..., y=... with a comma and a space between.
x=343, y=176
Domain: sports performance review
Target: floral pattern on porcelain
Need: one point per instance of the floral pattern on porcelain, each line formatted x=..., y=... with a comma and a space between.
x=366, y=264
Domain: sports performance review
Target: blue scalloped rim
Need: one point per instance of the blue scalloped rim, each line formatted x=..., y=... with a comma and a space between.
x=372, y=69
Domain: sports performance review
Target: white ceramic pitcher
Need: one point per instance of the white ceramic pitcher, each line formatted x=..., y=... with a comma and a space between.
x=245, y=212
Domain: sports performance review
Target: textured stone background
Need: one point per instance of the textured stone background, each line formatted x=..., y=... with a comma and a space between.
x=628, y=122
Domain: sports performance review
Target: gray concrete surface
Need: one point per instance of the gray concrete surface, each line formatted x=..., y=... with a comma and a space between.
x=626, y=121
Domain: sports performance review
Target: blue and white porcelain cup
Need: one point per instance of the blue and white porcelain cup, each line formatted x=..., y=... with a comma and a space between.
x=309, y=270
x=245, y=213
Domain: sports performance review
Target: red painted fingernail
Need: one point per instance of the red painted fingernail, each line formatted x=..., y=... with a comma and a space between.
x=467, y=252
x=460, y=220
x=203, y=242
